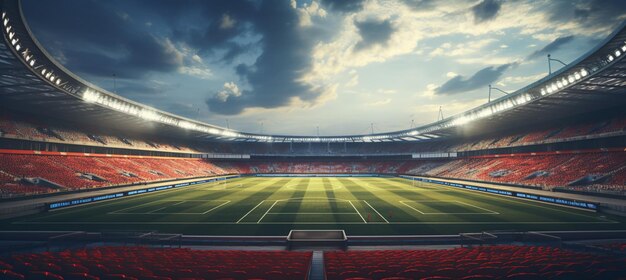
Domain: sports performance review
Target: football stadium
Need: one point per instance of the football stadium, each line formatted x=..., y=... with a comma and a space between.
x=116, y=161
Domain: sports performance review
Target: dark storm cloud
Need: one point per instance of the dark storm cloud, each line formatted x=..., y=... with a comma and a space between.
x=486, y=10
x=552, y=47
x=593, y=14
x=482, y=78
x=373, y=32
x=343, y=5
x=283, y=47
x=98, y=40
x=273, y=78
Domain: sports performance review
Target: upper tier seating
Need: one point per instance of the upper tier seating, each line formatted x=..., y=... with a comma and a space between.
x=157, y=264
x=498, y=262
x=30, y=129
x=21, y=127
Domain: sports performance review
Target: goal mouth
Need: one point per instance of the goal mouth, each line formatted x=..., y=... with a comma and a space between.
x=317, y=236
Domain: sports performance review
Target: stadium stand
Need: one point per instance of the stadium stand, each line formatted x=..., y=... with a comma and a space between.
x=32, y=174
x=590, y=172
x=16, y=126
x=13, y=125
x=497, y=262
x=161, y=264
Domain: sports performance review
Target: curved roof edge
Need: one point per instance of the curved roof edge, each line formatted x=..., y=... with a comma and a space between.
x=24, y=46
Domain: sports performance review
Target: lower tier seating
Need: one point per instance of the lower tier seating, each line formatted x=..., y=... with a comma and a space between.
x=498, y=262
x=78, y=172
x=157, y=264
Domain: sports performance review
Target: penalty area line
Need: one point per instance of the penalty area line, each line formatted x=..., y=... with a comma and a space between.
x=357, y=211
x=250, y=211
x=268, y=210
x=375, y=211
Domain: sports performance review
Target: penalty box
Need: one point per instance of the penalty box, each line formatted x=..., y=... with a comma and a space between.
x=446, y=207
x=173, y=207
x=302, y=211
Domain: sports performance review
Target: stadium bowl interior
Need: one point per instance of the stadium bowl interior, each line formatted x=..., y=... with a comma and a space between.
x=531, y=185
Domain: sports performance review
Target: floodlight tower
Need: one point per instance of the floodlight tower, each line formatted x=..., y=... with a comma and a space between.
x=490, y=88
x=550, y=59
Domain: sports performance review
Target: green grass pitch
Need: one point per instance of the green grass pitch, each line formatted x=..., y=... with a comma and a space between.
x=273, y=206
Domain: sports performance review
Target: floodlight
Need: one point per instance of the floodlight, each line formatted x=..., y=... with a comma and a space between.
x=543, y=91
x=610, y=57
x=553, y=86
x=32, y=62
x=4, y=14
x=148, y=115
x=43, y=71
x=8, y=28
x=570, y=78
x=186, y=125
x=14, y=41
x=11, y=34
x=559, y=84
x=564, y=81
x=18, y=47
x=6, y=21
x=58, y=82
x=583, y=72
x=577, y=76
x=617, y=53
x=90, y=96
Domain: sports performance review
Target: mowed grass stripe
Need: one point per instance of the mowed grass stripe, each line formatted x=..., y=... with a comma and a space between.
x=386, y=201
x=504, y=203
x=317, y=203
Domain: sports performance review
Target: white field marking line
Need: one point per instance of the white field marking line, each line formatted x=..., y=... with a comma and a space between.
x=412, y=207
x=108, y=202
x=468, y=204
x=250, y=211
x=193, y=200
x=302, y=223
x=268, y=210
x=375, y=211
x=446, y=213
x=131, y=207
x=311, y=213
x=517, y=200
x=166, y=206
x=207, y=211
x=321, y=187
x=174, y=213
x=358, y=212
x=315, y=198
x=222, y=187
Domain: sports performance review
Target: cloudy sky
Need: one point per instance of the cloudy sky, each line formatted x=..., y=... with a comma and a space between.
x=290, y=66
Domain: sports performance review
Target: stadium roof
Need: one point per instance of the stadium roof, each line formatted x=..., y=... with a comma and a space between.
x=32, y=80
